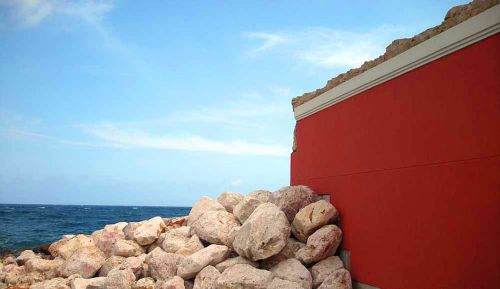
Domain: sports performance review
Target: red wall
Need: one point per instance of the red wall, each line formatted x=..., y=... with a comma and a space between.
x=413, y=165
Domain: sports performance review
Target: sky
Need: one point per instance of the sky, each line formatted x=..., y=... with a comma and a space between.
x=161, y=102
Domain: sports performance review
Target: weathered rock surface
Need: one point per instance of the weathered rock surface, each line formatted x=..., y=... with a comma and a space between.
x=85, y=261
x=49, y=268
x=262, y=195
x=127, y=248
x=149, y=231
x=324, y=268
x=215, y=226
x=235, y=261
x=192, y=246
x=207, y=278
x=289, y=251
x=323, y=243
x=56, y=283
x=278, y=283
x=66, y=247
x=110, y=263
x=105, y=238
x=82, y=283
x=25, y=256
x=144, y=283
x=120, y=279
x=245, y=208
x=340, y=279
x=292, y=270
x=162, y=265
x=229, y=200
x=312, y=217
x=176, y=239
x=244, y=276
x=204, y=205
x=137, y=265
x=264, y=234
x=211, y=255
x=172, y=283
x=129, y=230
x=293, y=198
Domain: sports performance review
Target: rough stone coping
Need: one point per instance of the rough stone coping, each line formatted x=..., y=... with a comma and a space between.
x=455, y=15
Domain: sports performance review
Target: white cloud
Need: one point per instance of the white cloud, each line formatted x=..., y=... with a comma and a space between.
x=33, y=12
x=327, y=48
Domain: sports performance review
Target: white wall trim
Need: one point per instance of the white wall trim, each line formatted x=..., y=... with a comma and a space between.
x=466, y=33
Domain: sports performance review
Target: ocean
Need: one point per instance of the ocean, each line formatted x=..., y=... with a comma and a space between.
x=29, y=226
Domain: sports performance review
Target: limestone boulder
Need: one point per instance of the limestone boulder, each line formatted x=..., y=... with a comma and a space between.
x=105, y=238
x=192, y=246
x=207, y=278
x=289, y=251
x=120, y=279
x=110, y=264
x=244, y=276
x=229, y=200
x=82, y=283
x=264, y=234
x=137, y=265
x=340, y=279
x=324, y=268
x=48, y=268
x=161, y=265
x=66, y=247
x=25, y=256
x=9, y=260
x=312, y=217
x=278, y=283
x=211, y=255
x=144, y=283
x=175, y=282
x=262, y=195
x=149, y=231
x=129, y=230
x=320, y=245
x=127, y=248
x=235, y=261
x=215, y=227
x=203, y=205
x=56, y=283
x=176, y=239
x=293, y=198
x=292, y=270
x=245, y=208
x=175, y=222
x=85, y=261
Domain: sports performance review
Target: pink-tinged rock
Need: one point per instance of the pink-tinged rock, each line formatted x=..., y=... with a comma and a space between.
x=262, y=195
x=211, y=255
x=245, y=208
x=56, y=283
x=324, y=268
x=137, y=265
x=175, y=222
x=144, y=283
x=264, y=234
x=66, y=247
x=235, y=261
x=105, y=238
x=127, y=248
x=149, y=231
x=215, y=226
x=82, y=283
x=292, y=270
x=192, y=246
x=278, y=283
x=229, y=200
x=129, y=230
x=312, y=217
x=85, y=261
x=49, y=268
x=207, y=278
x=120, y=279
x=175, y=282
x=340, y=279
x=293, y=198
x=176, y=239
x=245, y=277
x=11, y=273
x=320, y=245
x=161, y=265
x=289, y=251
x=9, y=260
x=203, y=205
x=110, y=264
x=25, y=256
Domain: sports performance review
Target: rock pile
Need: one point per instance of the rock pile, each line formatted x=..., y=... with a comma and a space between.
x=266, y=240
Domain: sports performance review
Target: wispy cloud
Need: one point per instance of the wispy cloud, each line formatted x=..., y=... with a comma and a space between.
x=324, y=47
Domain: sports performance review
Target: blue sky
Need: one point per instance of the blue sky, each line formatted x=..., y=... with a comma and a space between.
x=161, y=102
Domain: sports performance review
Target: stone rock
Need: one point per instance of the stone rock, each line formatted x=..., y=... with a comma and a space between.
x=175, y=222
x=56, y=283
x=120, y=279
x=149, y=231
x=137, y=265
x=292, y=270
x=264, y=234
x=175, y=282
x=161, y=265
x=176, y=239
x=9, y=260
x=127, y=248
x=211, y=255
x=245, y=208
x=110, y=264
x=82, y=283
x=235, y=261
x=203, y=205
x=207, y=278
x=229, y=200
x=85, y=261
x=49, y=268
x=293, y=198
x=262, y=195
x=340, y=279
x=11, y=273
x=66, y=247
x=323, y=243
x=278, y=283
x=244, y=276
x=144, y=283
x=215, y=226
x=321, y=270
x=312, y=217
x=25, y=256
x=291, y=248
x=105, y=238
x=192, y=246
x=129, y=230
